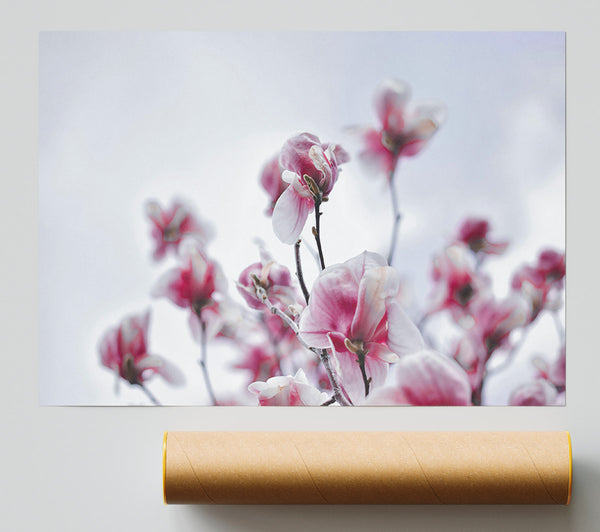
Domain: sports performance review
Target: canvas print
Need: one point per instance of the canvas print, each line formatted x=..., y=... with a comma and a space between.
x=302, y=219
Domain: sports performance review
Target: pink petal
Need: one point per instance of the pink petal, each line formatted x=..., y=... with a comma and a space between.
x=294, y=154
x=290, y=214
x=375, y=157
x=376, y=286
x=403, y=335
x=171, y=373
x=413, y=147
x=361, y=263
x=381, y=351
x=430, y=378
x=332, y=306
x=496, y=248
x=166, y=286
x=391, y=98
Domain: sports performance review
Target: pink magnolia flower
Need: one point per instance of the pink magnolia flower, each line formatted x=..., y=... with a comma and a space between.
x=223, y=318
x=354, y=310
x=287, y=391
x=551, y=264
x=261, y=361
x=542, y=284
x=269, y=279
x=426, y=378
x=171, y=225
x=473, y=232
x=535, y=393
x=311, y=170
x=124, y=349
x=457, y=284
x=404, y=131
x=493, y=322
x=272, y=183
x=193, y=283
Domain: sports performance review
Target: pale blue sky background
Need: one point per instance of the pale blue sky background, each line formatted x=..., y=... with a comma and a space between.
x=130, y=116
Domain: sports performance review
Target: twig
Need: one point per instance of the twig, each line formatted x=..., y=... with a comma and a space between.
x=149, y=394
x=202, y=363
x=317, y=231
x=299, y=273
x=329, y=402
x=476, y=396
x=396, y=213
x=337, y=390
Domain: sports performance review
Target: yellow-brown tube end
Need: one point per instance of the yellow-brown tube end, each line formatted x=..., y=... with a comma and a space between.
x=570, y=467
x=164, y=467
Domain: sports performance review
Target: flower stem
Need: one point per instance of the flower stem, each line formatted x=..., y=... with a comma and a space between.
x=317, y=231
x=202, y=362
x=149, y=394
x=476, y=395
x=299, y=273
x=363, y=370
x=396, y=213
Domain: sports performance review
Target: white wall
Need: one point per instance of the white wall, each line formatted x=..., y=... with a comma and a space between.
x=93, y=469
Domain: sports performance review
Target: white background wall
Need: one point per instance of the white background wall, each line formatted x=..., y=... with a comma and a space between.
x=99, y=469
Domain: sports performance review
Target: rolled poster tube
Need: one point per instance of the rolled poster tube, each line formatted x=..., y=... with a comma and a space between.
x=367, y=467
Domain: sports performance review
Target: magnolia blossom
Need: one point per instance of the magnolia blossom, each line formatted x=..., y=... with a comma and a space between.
x=261, y=361
x=193, y=283
x=223, y=318
x=287, y=391
x=473, y=232
x=535, y=393
x=426, y=378
x=354, y=310
x=404, y=130
x=267, y=279
x=311, y=170
x=456, y=283
x=542, y=283
x=124, y=349
x=272, y=183
x=551, y=264
x=493, y=322
x=171, y=225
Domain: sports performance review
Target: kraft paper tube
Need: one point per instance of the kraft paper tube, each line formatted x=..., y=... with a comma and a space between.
x=367, y=467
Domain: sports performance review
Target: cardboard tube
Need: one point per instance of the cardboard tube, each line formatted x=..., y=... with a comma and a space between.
x=367, y=467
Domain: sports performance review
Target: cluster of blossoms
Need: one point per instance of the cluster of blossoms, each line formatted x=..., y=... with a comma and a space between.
x=347, y=338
